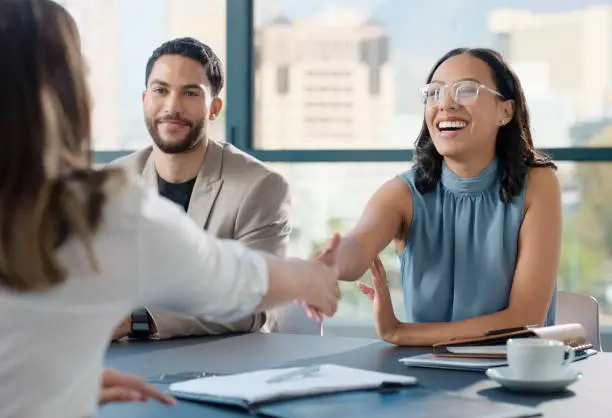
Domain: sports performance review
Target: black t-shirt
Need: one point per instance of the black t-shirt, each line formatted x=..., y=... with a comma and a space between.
x=179, y=193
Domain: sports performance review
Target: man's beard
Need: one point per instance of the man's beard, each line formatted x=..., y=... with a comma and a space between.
x=186, y=144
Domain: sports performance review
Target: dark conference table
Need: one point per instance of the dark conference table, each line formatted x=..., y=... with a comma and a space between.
x=591, y=396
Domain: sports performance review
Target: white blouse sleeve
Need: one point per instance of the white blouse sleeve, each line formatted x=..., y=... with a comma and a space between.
x=183, y=268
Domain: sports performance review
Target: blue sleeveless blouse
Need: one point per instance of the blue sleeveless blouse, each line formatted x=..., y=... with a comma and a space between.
x=461, y=250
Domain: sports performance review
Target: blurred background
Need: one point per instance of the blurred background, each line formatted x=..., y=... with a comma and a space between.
x=326, y=91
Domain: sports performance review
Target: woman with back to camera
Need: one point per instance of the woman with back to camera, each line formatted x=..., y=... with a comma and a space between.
x=80, y=248
x=477, y=220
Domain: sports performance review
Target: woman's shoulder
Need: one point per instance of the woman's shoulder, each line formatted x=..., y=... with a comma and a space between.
x=126, y=198
x=541, y=183
x=408, y=176
x=539, y=174
x=134, y=199
x=541, y=178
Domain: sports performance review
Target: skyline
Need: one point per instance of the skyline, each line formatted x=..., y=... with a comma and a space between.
x=413, y=57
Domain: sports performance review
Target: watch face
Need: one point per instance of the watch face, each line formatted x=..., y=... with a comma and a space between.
x=139, y=326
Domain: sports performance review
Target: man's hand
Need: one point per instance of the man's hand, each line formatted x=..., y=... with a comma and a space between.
x=385, y=320
x=119, y=387
x=124, y=329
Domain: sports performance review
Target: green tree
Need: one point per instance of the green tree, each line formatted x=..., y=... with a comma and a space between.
x=581, y=266
x=587, y=238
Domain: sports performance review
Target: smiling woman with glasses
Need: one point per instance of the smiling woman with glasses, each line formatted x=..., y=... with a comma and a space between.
x=477, y=220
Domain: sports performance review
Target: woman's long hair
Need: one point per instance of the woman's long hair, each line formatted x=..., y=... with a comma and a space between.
x=48, y=189
x=514, y=146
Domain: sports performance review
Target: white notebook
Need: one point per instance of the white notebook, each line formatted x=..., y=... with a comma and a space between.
x=255, y=387
x=456, y=363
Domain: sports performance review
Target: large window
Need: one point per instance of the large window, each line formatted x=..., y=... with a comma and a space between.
x=118, y=37
x=355, y=67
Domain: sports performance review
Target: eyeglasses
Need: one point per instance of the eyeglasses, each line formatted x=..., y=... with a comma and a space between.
x=463, y=92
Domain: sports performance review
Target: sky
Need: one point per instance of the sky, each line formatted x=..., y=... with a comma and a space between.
x=441, y=20
x=421, y=31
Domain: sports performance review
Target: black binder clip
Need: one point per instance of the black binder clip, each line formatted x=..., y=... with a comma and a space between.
x=390, y=387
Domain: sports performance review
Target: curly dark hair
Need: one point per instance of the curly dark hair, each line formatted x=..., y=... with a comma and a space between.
x=514, y=145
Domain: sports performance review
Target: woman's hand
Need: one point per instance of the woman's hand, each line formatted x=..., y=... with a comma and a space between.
x=119, y=387
x=385, y=320
x=324, y=255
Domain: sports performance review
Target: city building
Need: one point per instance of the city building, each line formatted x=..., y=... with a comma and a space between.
x=324, y=82
x=571, y=52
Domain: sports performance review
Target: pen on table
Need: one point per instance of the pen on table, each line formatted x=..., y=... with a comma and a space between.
x=301, y=372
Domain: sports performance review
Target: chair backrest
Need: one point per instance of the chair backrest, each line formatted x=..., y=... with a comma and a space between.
x=582, y=309
x=292, y=319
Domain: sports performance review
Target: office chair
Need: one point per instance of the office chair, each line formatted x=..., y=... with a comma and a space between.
x=582, y=309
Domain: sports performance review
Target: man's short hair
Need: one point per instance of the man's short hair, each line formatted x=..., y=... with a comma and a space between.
x=196, y=50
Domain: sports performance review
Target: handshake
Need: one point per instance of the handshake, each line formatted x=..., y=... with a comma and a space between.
x=322, y=292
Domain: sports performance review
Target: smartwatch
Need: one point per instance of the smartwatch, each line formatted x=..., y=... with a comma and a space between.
x=141, y=324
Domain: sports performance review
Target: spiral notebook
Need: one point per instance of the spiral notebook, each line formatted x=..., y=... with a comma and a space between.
x=571, y=334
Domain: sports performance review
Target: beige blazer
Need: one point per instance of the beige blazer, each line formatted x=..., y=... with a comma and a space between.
x=235, y=196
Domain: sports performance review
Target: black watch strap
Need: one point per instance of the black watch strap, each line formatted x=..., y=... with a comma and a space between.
x=141, y=323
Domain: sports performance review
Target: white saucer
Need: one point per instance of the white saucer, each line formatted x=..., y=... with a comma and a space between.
x=504, y=376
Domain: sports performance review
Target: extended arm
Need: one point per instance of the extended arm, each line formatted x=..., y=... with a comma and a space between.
x=262, y=224
x=185, y=269
x=387, y=215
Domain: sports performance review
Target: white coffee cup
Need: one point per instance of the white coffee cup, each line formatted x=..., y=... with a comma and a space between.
x=537, y=359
